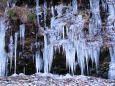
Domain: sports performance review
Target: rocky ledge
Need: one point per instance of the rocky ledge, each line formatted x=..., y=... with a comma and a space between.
x=54, y=80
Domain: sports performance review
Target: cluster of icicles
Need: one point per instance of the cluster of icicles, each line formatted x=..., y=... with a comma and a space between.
x=66, y=32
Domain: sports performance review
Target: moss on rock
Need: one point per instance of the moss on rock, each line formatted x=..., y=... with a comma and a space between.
x=23, y=14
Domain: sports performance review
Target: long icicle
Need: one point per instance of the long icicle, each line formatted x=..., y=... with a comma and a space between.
x=15, y=52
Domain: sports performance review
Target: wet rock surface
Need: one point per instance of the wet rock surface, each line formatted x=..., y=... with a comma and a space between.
x=53, y=80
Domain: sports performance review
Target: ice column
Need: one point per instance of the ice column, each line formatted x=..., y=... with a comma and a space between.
x=22, y=35
x=37, y=12
x=45, y=12
x=59, y=9
x=47, y=55
x=104, y=5
x=3, y=55
x=15, y=52
x=70, y=56
x=11, y=48
x=95, y=25
x=111, y=73
x=111, y=8
x=38, y=62
x=74, y=4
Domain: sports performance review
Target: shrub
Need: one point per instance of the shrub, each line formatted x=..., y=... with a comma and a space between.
x=31, y=16
x=11, y=13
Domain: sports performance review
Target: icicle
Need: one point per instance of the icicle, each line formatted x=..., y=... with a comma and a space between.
x=110, y=30
x=38, y=62
x=59, y=9
x=63, y=32
x=3, y=55
x=94, y=6
x=87, y=60
x=95, y=26
x=71, y=39
x=47, y=55
x=85, y=52
x=11, y=48
x=37, y=12
x=111, y=8
x=111, y=73
x=13, y=4
x=8, y=4
x=15, y=52
x=52, y=20
x=45, y=12
x=96, y=52
x=74, y=4
x=80, y=47
x=104, y=5
x=70, y=56
x=111, y=17
x=52, y=10
x=22, y=35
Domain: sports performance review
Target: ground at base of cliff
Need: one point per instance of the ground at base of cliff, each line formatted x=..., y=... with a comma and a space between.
x=42, y=79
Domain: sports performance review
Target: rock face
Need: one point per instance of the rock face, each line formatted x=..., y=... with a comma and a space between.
x=53, y=80
x=59, y=39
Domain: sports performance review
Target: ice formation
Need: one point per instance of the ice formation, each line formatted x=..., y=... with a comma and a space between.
x=111, y=73
x=15, y=51
x=71, y=38
x=66, y=34
x=110, y=33
x=11, y=50
x=95, y=25
x=3, y=54
x=22, y=35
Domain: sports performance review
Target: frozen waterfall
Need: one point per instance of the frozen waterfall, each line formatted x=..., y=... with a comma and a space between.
x=77, y=33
